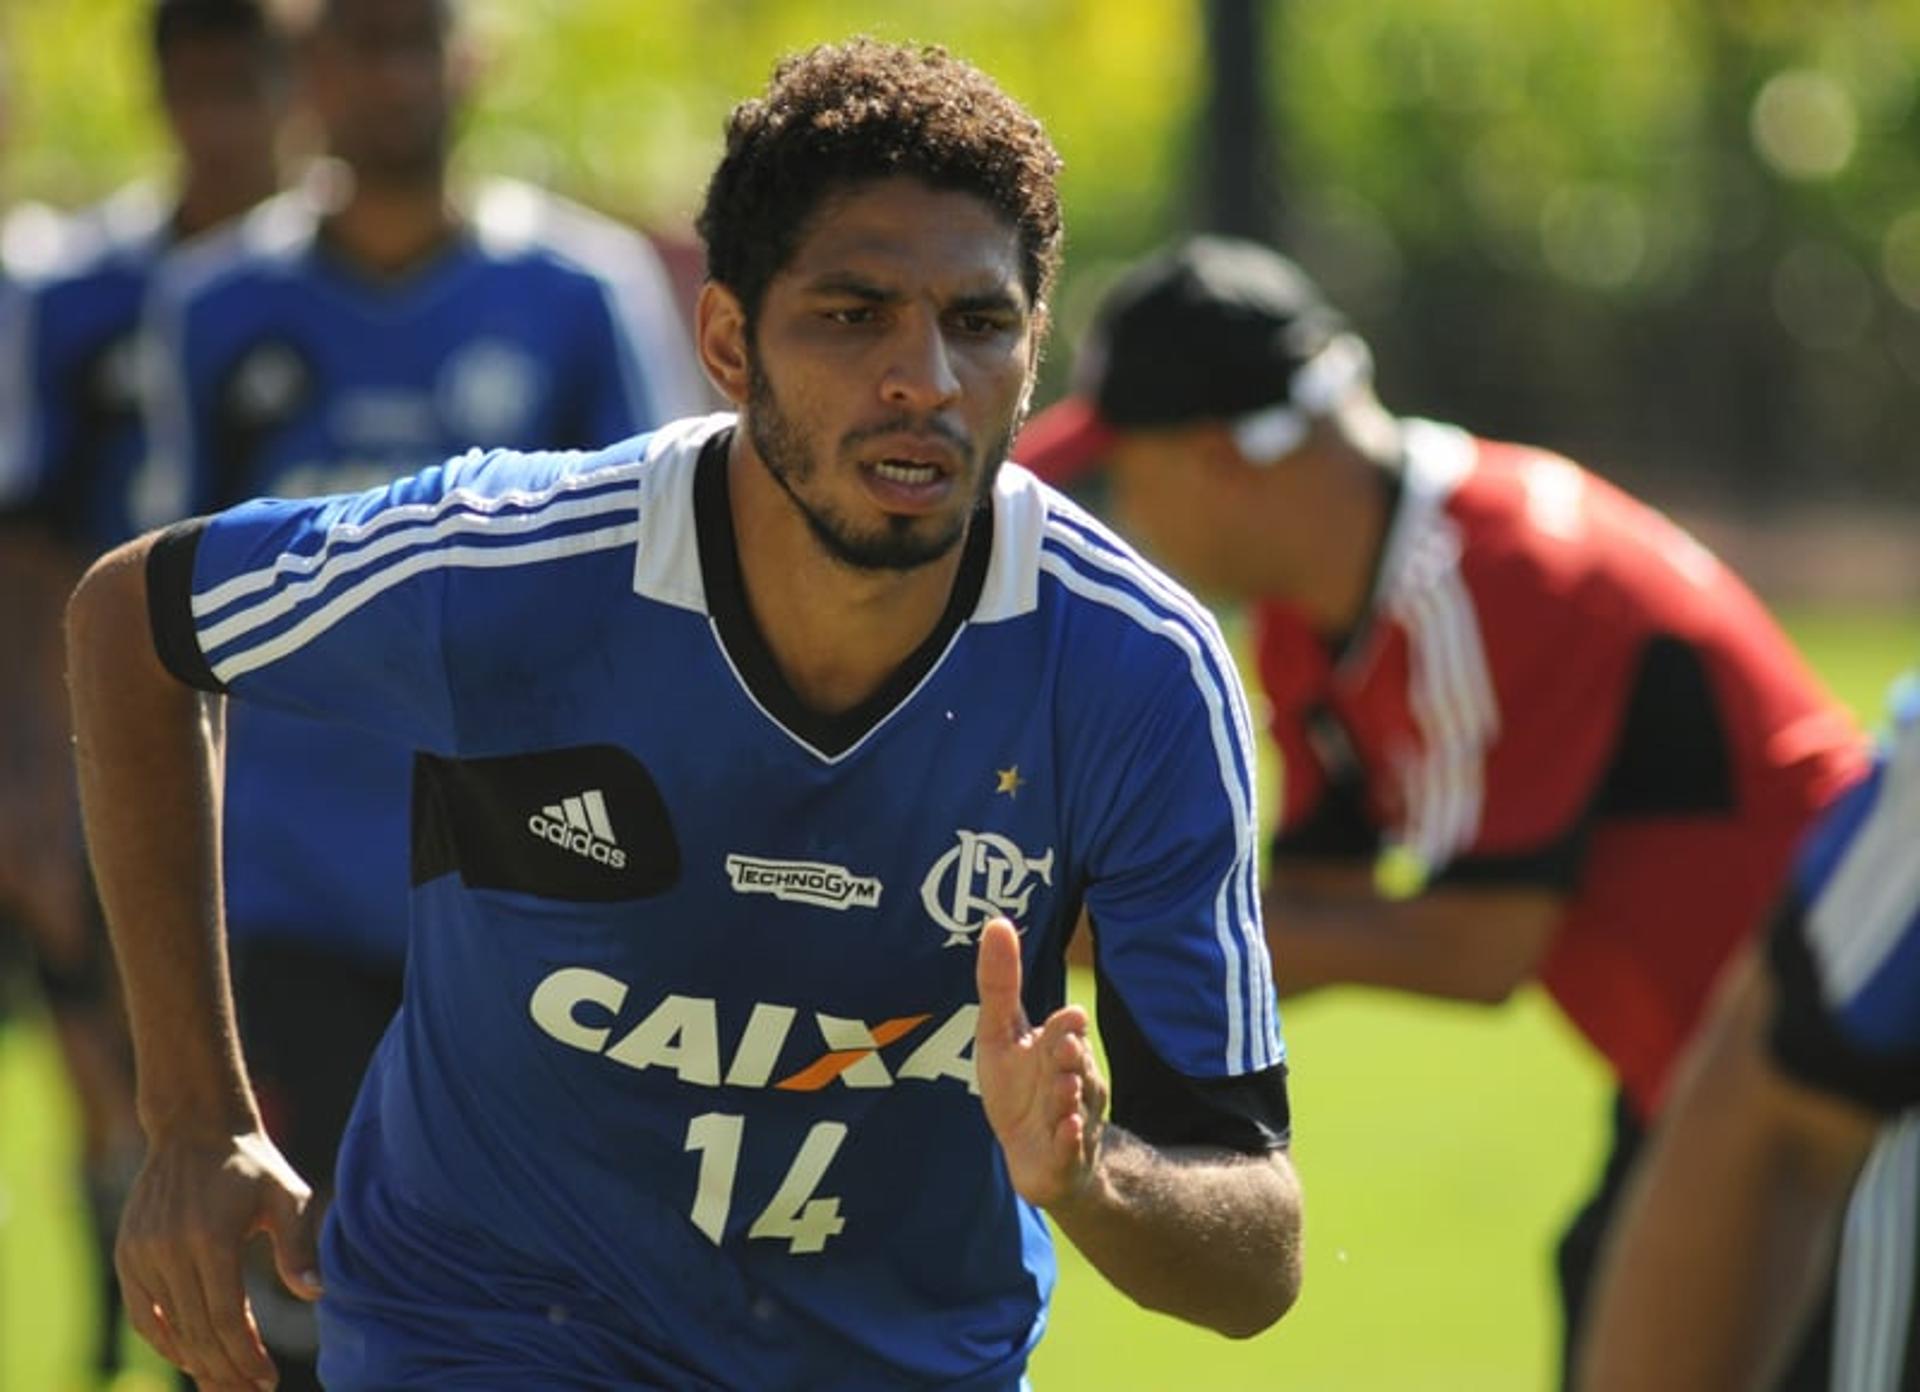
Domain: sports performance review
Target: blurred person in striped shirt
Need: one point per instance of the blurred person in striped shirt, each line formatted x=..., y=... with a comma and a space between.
x=1796, y=1123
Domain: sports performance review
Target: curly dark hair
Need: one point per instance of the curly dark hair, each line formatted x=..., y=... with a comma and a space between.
x=845, y=114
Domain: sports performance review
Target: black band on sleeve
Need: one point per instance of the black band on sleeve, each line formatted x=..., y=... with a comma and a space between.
x=1248, y=1114
x=1670, y=758
x=1806, y=1042
x=170, y=604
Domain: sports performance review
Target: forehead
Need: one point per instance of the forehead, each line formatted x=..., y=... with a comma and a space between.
x=193, y=58
x=901, y=234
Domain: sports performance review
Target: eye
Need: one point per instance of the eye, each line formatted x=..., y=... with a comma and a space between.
x=851, y=314
x=981, y=324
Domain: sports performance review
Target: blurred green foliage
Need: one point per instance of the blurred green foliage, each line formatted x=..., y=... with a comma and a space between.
x=1680, y=241
x=623, y=104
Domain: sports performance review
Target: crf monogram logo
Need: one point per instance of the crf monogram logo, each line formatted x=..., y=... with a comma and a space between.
x=984, y=875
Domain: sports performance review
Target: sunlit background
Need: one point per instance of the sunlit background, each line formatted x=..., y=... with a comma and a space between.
x=1678, y=239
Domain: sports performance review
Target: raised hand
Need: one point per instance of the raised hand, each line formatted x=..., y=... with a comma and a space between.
x=1043, y=1094
x=193, y=1207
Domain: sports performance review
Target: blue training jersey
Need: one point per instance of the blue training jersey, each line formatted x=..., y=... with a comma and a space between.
x=76, y=427
x=1846, y=968
x=682, y=1094
x=1847, y=950
x=286, y=370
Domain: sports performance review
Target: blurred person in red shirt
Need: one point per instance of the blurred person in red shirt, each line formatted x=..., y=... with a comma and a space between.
x=1530, y=729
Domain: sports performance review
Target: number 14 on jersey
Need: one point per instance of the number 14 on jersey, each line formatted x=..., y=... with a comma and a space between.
x=793, y=1212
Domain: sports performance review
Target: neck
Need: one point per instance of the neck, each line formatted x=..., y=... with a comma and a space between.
x=835, y=631
x=1325, y=537
x=390, y=229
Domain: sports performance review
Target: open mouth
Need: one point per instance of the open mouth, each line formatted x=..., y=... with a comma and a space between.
x=906, y=471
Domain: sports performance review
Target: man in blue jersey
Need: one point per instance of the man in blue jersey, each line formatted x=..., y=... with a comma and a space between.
x=370, y=323
x=71, y=453
x=765, y=763
x=69, y=443
x=1803, y=1088
x=69, y=435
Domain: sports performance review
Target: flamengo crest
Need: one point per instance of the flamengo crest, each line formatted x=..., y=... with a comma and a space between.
x=984, y=875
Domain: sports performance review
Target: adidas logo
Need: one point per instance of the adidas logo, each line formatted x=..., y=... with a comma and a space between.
x=579, y=824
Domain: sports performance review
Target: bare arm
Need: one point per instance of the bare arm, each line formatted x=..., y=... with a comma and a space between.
x=1212, y=1237
x=1326, y=927
x=1729, y=1219
x=149, y=782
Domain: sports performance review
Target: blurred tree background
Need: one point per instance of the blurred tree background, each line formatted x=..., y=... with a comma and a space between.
x=1681, y=241
x=1678, y=239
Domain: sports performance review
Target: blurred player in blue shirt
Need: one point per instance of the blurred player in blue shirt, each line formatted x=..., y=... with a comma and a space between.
x=72, y=453
x=69, y=423
x=70, y=441
x=765, y=764
x=357, y=329
x=1804, y=1088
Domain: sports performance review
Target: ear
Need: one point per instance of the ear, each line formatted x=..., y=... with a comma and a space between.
x=720, y=338
x=1219, y=455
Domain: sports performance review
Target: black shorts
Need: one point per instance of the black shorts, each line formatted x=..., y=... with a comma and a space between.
x=309, y=1021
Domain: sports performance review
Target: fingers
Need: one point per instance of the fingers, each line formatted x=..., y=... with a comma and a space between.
x=1080, y=1094
x=292, y=1223
x=997, y=977
x=216, y=1325
x=178, y=1321
x=143, y=1313
x=179, y=1256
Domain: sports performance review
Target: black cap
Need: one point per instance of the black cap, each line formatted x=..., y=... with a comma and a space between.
x=1209, y=329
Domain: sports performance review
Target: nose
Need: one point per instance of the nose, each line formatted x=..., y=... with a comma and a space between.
x=920, y=375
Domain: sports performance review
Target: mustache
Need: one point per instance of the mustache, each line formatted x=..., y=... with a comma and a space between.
x=911, y=425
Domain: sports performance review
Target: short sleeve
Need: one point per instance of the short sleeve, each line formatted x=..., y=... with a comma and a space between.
x=339, y=608
x=1186, y=998
x=325, y=607
x=1519, y=725
x=1565, y=659
x=1845, y=949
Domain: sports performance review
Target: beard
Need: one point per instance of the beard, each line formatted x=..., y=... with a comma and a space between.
x=898, y=543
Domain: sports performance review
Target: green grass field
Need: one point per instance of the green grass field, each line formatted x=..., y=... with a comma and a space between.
x=1441, y=1148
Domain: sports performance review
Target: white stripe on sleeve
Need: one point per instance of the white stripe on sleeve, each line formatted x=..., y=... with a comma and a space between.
x=1236, y=925
x=1874, y=894
x=317, y=622
x=1875, y=1310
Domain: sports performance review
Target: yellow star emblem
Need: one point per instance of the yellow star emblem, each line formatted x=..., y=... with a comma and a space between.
x=1008, y=780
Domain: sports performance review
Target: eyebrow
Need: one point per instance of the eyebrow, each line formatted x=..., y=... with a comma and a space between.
x=856, y=287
